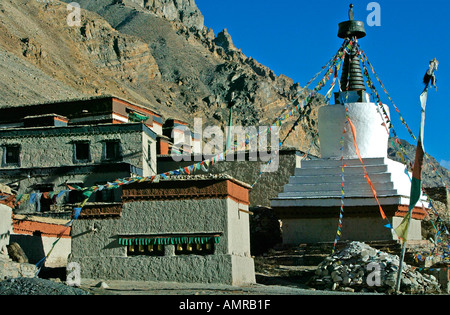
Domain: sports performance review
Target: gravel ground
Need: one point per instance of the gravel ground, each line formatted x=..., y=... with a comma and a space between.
x=120, y=287
x=37, y=286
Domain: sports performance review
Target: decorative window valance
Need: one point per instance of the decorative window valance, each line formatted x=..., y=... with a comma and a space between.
x=168, y=239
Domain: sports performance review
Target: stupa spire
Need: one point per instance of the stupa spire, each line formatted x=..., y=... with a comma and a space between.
x=352, y=78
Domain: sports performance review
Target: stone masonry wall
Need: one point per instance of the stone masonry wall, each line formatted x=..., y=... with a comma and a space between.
x=101, y=257
x=57, y=149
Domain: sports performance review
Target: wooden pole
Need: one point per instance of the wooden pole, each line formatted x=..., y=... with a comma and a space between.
x=402, y=255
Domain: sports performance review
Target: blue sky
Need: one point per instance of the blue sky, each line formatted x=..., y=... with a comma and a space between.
x=296, y=38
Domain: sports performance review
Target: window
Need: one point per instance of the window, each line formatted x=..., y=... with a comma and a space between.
x=81, y=151
x=46, y=201
x=75, y=196
x=195, y=249
x=147, y=250
x=149, y=152
x=190, y=244
x=112, y=150
x=105, y=195
x=11, y=154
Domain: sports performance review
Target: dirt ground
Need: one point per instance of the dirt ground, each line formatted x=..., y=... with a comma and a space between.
x=171, y=288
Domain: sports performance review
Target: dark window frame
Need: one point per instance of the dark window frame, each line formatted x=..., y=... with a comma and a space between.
x=75, y=196
x=46, y=203
x=6, y=160
x=78, y=155
x=145, y=250
x=105, y=195
x=115, y=154
x=195, y=249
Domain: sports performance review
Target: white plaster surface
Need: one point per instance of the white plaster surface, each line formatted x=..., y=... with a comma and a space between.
x=5, y=226
x=371, y=136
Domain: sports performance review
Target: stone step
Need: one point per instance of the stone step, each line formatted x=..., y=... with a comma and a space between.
x=286, y=259
x=350, y=186
x=361, y=193
x=349, y=170
x=337, y=163
x=337, y=178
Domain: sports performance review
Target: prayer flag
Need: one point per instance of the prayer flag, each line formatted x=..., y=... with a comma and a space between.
x=416, y=181
x=77, y=212
x=366, y=175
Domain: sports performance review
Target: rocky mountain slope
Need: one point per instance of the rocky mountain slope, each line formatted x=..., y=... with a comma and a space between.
x=431, y=167
x=155, y=53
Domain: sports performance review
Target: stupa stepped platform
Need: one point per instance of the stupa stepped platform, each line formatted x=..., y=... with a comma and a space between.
x=319, y=183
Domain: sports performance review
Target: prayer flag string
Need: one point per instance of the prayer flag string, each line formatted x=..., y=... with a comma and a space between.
x=341, y=209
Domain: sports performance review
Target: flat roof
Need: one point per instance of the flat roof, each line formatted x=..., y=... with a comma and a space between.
x=80, y=99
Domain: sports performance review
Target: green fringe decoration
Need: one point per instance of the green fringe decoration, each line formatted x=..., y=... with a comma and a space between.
x=168, y=240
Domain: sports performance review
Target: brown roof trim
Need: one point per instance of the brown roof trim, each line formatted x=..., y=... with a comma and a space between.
x=187, y=189
x=351, y=211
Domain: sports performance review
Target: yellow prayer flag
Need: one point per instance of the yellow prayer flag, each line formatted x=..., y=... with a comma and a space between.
x=402, y=229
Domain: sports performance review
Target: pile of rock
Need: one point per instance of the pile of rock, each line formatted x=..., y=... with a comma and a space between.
x=359, y=267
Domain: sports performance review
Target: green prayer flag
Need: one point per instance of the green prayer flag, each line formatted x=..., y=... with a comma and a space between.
x=87, y=193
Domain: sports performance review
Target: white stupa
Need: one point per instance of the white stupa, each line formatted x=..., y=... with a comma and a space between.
x=309, y=207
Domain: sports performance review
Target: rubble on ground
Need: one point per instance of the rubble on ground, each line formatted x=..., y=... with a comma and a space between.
x=37, y=286
x=10, y=268
x=361, y=268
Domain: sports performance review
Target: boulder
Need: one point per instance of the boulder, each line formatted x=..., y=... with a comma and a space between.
x=16, y=253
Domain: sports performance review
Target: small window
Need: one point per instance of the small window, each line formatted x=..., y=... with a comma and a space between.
x=149, y=151
x=75, y=196
x=105, y=195
x=46, y=201
x=112, y=150
x=195, y=249
x=147, y=250
x=82, y=151
x=12, y=154
x=149, y=154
